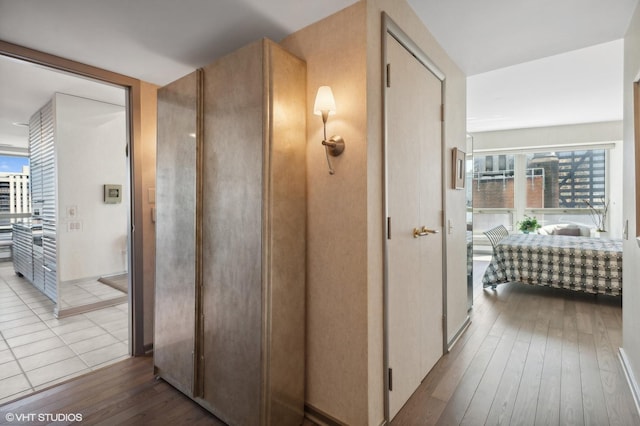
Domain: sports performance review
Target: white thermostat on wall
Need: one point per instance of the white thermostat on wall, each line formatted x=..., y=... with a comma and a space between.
x=112, y=194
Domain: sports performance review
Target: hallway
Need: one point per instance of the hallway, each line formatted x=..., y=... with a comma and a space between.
x=531, y=355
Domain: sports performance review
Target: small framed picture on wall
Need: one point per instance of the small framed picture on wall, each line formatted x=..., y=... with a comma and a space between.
x=458, y=168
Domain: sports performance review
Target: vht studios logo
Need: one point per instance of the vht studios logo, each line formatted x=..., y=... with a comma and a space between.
x=43, y=417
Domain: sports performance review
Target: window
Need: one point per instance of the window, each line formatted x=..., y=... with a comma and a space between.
x=566, y=180
x=556, y=187
x=493, y=181
x=493, y=191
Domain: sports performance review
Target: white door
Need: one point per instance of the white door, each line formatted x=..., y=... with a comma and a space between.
x=414, y=201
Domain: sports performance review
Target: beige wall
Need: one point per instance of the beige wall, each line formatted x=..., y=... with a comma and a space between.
x=631, y=256
x=337, y=299
x=345, y=226
x=148, y=121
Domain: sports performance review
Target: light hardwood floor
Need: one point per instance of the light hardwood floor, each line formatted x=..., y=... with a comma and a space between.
x=125, y=393
x=531, y=356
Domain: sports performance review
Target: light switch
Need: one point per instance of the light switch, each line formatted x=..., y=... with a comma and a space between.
x=74, y=226
x=72, y=211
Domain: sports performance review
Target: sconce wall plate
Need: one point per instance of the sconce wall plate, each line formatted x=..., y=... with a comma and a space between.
x=335, y=145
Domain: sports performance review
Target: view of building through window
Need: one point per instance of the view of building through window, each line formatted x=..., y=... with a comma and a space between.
x=553, y=186
x=493, y=181
x=15, y=198
x=14, y=185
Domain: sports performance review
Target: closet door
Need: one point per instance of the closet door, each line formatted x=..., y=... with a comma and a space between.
x=176, y=188
x=414, y=204
x=230, y=261
x=232, y=235
x=285, y=254
x=253, y=246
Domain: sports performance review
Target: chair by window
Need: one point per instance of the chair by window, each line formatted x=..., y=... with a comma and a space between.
x=495, y=235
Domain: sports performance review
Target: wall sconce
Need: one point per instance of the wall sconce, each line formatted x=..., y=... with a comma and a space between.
x=325, y=106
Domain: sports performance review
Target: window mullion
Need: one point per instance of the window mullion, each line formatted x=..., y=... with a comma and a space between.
x=519, y=187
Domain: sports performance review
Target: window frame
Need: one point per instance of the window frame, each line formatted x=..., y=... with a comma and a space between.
x=520, y=209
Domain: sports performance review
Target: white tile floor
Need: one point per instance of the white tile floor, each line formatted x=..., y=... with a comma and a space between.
x=87, y=292
x=37, y=350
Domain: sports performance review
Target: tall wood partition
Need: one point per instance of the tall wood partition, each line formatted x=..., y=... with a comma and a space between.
x=231, y=200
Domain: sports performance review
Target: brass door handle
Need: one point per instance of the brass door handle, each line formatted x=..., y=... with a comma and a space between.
x=421, y=232
x=417, y=232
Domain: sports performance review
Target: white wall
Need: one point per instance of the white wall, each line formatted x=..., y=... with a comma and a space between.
x=609, y=132
x=90, y=152
x=540, y=137
x=631, y=256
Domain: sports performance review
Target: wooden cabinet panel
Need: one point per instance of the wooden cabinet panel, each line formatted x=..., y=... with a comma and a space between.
x=248, y=267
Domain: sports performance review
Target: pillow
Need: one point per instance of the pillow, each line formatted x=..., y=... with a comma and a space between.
x=573, y=232
x=546, y=230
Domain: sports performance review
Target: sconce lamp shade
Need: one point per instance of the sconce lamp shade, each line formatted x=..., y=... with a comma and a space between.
x=324, y=101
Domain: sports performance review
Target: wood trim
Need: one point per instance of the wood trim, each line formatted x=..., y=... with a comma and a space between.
x=52, y=61
x=267, y=136
x=198, y=362
x=136, y=257
x=636, y=129
x=319, y=417
x=631, y=381
x=134, y=102
x=89, y=307
x=456, y=337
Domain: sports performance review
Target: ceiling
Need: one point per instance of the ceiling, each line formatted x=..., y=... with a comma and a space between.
x=534, y=63
x=485, y=35
x=161, y=40
x=581, y=86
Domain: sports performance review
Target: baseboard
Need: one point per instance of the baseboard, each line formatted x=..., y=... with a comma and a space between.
x=320, y=418
x=462, y=329
x=75, y=310
x=323, y=419
x=115, y=281
x=631, y=380
x=148, y=349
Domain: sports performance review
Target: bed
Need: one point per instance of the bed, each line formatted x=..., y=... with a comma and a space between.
x=591, y=265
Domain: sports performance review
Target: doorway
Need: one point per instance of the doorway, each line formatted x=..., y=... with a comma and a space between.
x=414, y=275
x=121, y=323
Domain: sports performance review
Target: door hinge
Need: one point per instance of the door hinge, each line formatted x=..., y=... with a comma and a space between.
x=388, y=228
x=126, y=150
x=388, y=75
x=390, y=379
x=442, y=112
